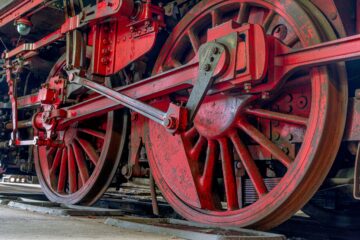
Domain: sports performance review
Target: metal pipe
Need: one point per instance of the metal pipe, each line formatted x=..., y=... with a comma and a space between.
x=21, y=124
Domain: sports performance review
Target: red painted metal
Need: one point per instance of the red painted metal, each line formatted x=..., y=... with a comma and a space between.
x=227, y=127
x=18, y=8
x=284, y=62
x=271, y=100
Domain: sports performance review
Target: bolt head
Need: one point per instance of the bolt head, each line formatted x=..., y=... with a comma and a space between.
x=207, y=67
x=238, y=165
x=215, y=50
x=170, y=123
x=247, y=87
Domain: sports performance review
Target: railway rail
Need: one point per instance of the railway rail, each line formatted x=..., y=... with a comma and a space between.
x=131, y=207
x=240, y=111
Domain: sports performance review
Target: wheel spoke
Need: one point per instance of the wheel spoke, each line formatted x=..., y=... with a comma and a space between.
x=191, y=133
x=243, y=11
x=51, y=151
x=269, y=18
x=198, y=148
x=92, y=132
x=194, y=40
x=207, y=198
x=258, y=137
x=215, y=18
x=71, y=170
x=80, y=182
x=249, y=165
x=55, y=165
x=80, y=161
x=89, y=150
x=56, y=161
x=46, y=163
x=212, y=155
x=229, y=175
x=292, y=41
x=277, y=116
x=63, y=172
x=174, y=63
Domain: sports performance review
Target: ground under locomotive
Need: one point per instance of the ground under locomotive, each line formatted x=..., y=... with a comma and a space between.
x=241, y=110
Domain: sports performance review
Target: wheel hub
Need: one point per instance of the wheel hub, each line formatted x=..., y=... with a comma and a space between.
x=70, y=135
x=215, y=118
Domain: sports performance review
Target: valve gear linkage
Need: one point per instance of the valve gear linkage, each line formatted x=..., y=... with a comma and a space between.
x=177, y=118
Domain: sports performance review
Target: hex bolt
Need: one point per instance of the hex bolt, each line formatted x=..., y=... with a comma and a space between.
x=290, y=137
x=170, y=122
x=167, y=122
x=275, y=136
x=207, y=67
x=247, y=87
x=238, y=165
x=280, y=32
x=215, y=50
x=285, y=150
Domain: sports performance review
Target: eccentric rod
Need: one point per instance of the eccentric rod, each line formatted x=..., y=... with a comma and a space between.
x=133, y=104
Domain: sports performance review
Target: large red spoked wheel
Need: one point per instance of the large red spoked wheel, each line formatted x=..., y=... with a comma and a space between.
x=248, y=161
x=81, y=171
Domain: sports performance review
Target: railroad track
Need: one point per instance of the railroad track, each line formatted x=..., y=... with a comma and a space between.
x=134, y=202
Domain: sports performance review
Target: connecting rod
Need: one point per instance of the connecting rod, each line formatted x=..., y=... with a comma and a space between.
x=176, y=118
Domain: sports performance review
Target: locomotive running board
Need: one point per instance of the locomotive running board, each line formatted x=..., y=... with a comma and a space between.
x=357, y=175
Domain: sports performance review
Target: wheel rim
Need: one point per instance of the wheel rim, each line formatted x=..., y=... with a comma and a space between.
x=201, y=202
x=81, y=171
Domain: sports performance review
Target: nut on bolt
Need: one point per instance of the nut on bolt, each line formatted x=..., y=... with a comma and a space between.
x=247, y=87
x=170, y=122
x=215, y=50
x=207, y=67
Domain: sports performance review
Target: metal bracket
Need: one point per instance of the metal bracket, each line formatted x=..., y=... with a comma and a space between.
x=209, y=57
x=357, y=175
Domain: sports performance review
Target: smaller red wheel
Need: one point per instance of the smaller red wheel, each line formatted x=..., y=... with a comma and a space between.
x=81, y=171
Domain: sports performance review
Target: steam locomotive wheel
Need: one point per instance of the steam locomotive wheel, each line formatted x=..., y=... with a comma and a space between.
x=250, y=162
x=81, y=171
